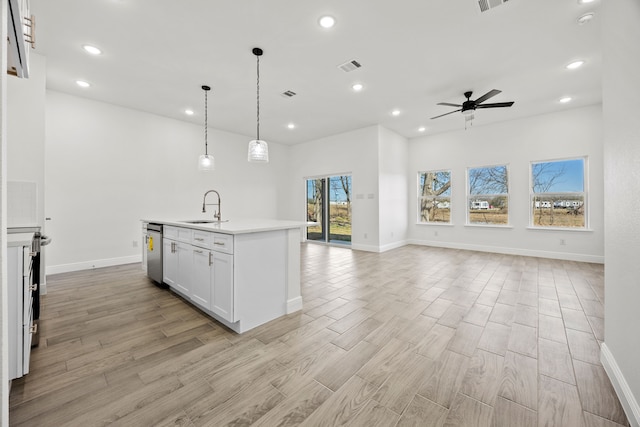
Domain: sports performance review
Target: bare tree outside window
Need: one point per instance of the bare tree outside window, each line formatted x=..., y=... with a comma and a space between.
x=434, y=200
x=557, y=194
x=488, y=197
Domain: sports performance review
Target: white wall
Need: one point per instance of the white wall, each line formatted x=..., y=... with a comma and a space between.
x=353, y=152
x=108, y=167
x=621, y=86
x=393, y=154
x=572, y=133
x=26, y=133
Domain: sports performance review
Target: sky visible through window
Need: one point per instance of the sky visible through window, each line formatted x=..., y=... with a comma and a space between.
x=563, y=176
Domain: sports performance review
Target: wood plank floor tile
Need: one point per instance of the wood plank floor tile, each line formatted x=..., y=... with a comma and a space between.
x=558, y=403
x=482, y=377
x=510, y=414
x=423, y=412
x=434, y=343
x=597, y=393
x=554, y=361
x=466, y=339
x=523, y=340
x=583, y=346
x=116, y=349
x=519, y=381
x=343, y=406
x=551, y=328
x=495, y=338
x=443, y=378
x=468, y=412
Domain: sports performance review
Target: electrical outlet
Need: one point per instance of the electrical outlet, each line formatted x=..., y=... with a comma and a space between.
x=562, y=242
x=135, y=243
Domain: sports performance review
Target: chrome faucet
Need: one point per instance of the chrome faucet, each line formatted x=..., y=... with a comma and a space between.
x=218, y=215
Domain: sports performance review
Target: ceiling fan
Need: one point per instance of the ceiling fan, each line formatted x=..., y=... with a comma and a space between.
x=469, y=106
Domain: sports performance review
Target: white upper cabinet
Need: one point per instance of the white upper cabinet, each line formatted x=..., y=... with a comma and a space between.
x=20, y=37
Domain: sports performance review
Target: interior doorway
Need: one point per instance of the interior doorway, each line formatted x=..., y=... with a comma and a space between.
x=329, y=205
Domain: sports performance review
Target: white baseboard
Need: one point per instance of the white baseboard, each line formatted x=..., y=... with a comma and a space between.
x=366, y=248
x=627, y=399
x=391, y=246
x=88, y=265
x=596, y=259
x=294, y=304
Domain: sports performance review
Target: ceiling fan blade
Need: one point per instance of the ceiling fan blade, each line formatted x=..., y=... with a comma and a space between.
x=449, y=104
x=496, y=105
x=487, y=95
x=446, y=114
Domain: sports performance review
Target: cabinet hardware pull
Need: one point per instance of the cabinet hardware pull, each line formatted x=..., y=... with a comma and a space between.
x=219, y=243
x=33, y=329
x=210, y=260
x=197, y=251
x=198, y=239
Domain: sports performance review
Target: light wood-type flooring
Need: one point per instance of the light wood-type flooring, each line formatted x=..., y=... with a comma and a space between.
x=416, y=336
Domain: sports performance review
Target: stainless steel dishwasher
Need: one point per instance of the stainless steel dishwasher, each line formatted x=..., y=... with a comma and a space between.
x=154, y=253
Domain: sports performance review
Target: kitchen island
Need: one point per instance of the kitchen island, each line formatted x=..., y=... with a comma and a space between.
x=242, y=273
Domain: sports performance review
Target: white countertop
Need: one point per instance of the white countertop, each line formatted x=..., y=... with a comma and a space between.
x=240, y=226
x=19, y=239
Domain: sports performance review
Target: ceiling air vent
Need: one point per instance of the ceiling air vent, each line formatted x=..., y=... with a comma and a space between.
x=490, y=4
x=288, y=94
x=350, y=66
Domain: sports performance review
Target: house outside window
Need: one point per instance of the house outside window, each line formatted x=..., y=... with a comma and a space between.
x=434, y=197
x=557, y=196
x=488, y=195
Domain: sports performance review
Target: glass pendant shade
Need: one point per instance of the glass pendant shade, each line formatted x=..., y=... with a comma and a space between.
x=258, y=151
x=206, y=163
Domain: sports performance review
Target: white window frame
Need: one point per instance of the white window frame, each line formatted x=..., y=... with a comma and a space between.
x=420, y=197
x=487, y=195
x=567, y=195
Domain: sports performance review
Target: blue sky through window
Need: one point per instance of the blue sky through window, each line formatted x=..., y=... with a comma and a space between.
x=562, y=176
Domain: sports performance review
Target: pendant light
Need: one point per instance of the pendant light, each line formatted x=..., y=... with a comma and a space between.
x=206, y=162
x=258, y=149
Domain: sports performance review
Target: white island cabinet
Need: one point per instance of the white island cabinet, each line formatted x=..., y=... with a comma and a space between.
x=241, y=273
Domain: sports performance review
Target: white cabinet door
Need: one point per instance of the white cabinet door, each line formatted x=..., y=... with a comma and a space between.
x=222, y=285
x=169, y=263
x=201, y=283
x=185, y=268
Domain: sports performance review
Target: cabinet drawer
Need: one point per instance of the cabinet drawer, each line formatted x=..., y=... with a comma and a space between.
x=177, y=233
x=222, y=243
x=202, y=239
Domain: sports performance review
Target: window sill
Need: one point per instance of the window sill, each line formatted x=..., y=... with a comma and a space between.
x=589, y=230
x=440, y=224
x=488, y=226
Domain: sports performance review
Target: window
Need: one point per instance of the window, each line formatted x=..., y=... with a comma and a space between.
x=434, y=197
x=488, y=196
x=557, y=194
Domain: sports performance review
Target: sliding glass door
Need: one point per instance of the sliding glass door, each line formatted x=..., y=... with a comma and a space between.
x=329, y=206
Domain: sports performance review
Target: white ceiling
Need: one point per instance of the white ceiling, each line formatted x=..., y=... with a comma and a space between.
x=414, y=54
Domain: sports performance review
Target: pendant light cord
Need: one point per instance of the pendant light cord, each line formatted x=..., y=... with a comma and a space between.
x=206, y=114
x=258, y=98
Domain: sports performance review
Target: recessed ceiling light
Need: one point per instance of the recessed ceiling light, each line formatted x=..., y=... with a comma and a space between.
x=422, y=129
x=188, y=112
x=327, y=21
x=291, y=126
x=82, y=83
x=357, y=87
x=587, y=17
x=395, y=113
x=585, y=1
x=91, y=49
x=574, y=65
x=565, y=99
